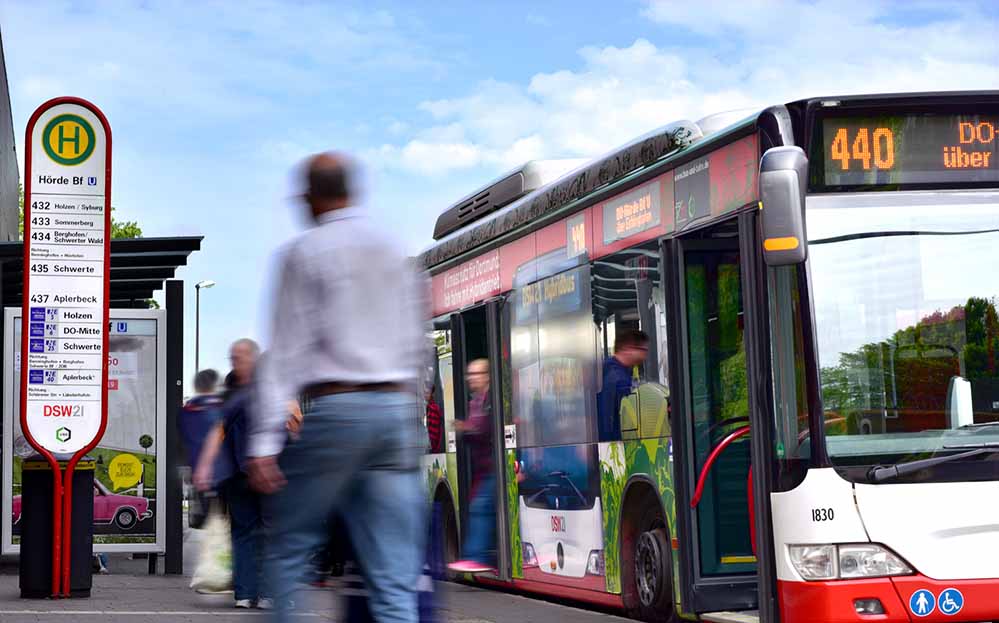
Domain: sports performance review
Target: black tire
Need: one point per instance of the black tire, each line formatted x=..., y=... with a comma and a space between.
x=449, y=541
x=646, y=567
x=125, y=518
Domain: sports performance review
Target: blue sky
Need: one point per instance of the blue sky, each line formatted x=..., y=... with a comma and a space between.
x=212, y=104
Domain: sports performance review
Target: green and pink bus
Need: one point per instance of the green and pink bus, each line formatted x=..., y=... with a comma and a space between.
x=814, y=433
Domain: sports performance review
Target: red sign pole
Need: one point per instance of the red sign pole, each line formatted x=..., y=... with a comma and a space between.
x=74, y=131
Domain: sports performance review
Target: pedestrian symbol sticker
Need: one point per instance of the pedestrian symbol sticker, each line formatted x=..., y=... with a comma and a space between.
x=951, y=601
x=68, y=139
x=922, y=602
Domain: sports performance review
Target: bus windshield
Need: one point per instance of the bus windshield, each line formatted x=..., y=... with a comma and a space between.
x=906, y=287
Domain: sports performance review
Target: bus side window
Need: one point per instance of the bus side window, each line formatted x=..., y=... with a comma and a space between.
x=443, y=393
x=551, y=360
x=791, y=441
x=627, y=294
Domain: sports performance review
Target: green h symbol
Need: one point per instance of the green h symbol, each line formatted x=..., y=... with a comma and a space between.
x=75, y=140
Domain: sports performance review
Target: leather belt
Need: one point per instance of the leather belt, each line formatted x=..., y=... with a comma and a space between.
x=318, y=390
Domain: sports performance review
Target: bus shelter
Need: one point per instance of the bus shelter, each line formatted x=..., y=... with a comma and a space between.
x=137, y=490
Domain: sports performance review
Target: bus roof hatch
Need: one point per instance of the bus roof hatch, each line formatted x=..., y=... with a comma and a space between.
x=500, y=192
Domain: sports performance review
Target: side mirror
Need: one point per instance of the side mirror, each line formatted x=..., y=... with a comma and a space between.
x=783, y=179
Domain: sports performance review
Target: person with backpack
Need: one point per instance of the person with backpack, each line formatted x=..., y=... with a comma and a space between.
x=197, y=418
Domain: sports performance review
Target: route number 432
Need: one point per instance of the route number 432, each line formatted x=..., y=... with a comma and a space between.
x=822, y=514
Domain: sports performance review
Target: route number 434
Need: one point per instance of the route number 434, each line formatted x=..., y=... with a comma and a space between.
x=822, y=514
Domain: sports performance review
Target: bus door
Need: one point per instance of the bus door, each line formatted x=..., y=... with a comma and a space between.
x=476, y=335
x=711, y=425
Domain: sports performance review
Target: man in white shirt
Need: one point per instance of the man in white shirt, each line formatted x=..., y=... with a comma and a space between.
x=348, y=342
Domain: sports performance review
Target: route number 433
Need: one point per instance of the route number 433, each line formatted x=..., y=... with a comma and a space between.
x=822, y=514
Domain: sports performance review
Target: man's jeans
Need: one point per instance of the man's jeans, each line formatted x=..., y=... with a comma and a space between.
x=357, y=454
x=480, y=539
x=247, y=526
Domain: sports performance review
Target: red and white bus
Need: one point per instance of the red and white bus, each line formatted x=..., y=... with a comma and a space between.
x=814, y=434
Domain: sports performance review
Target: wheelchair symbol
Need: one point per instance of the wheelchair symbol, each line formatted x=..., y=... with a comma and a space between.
x=951, y=601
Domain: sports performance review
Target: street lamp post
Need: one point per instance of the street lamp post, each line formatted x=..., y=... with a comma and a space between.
x=197, y=321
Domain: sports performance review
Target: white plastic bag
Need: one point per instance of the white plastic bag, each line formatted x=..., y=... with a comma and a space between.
x=214, y=571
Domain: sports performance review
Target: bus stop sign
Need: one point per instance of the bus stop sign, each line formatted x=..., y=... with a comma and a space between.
x=67, y=227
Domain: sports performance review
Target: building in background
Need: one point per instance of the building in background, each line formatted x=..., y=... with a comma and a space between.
x=8, y=160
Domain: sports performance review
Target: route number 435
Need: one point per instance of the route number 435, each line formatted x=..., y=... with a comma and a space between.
x=822, y=514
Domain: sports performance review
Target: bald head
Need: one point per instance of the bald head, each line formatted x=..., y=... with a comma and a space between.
x=329, y=182
x=477, y=375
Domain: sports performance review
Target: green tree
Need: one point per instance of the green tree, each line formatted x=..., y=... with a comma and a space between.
x=146, y=442
x=911, y=369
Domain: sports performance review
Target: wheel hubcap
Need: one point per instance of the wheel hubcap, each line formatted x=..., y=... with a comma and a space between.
x=647, y=569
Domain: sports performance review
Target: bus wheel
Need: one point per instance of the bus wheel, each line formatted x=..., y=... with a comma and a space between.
x=449, y=540
x=647, y=579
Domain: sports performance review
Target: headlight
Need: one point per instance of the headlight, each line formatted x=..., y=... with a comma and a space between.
x=869, y=561
x=530, y=558
x=815, y=562
x=595, y=562
x=848, y=561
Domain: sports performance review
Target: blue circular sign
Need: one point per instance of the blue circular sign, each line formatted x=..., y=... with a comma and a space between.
x=922, y=602
x=951, y=601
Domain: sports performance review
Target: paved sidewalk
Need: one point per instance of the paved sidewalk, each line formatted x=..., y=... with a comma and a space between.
x=130, y=595
x=142, y=598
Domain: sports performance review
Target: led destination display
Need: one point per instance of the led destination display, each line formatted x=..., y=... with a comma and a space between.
x=927, y=149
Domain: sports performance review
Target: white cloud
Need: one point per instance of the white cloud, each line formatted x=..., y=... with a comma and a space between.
x=210, y=103
x=430, y=157
x=536, y=19
x=203, y=62
x=733, y=55
x=396, y=127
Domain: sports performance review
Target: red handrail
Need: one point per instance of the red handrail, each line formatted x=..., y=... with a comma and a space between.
x=752, y=511
x=703, y=478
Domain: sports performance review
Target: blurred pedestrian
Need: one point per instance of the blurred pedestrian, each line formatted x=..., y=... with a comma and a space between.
x=347, y=339
x=199, y=414
x=101, y=563
x=332, y=559
x=435, y=422
x=197, y=418
x=223, y=463
x=476, y=433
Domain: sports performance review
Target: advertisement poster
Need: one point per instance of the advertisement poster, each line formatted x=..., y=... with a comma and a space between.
x=561, y=521
x=130, y=454
x=632, y=212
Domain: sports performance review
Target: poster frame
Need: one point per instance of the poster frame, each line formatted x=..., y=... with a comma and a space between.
x=7, y=547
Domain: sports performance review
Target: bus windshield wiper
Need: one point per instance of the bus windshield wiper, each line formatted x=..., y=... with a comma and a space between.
x=978, y=425
x=890, y=234
x=881, y=473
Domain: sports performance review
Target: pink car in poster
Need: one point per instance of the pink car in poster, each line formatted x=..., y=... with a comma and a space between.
x=122, y=510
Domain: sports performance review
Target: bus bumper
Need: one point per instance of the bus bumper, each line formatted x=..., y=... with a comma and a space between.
x=834, y=602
